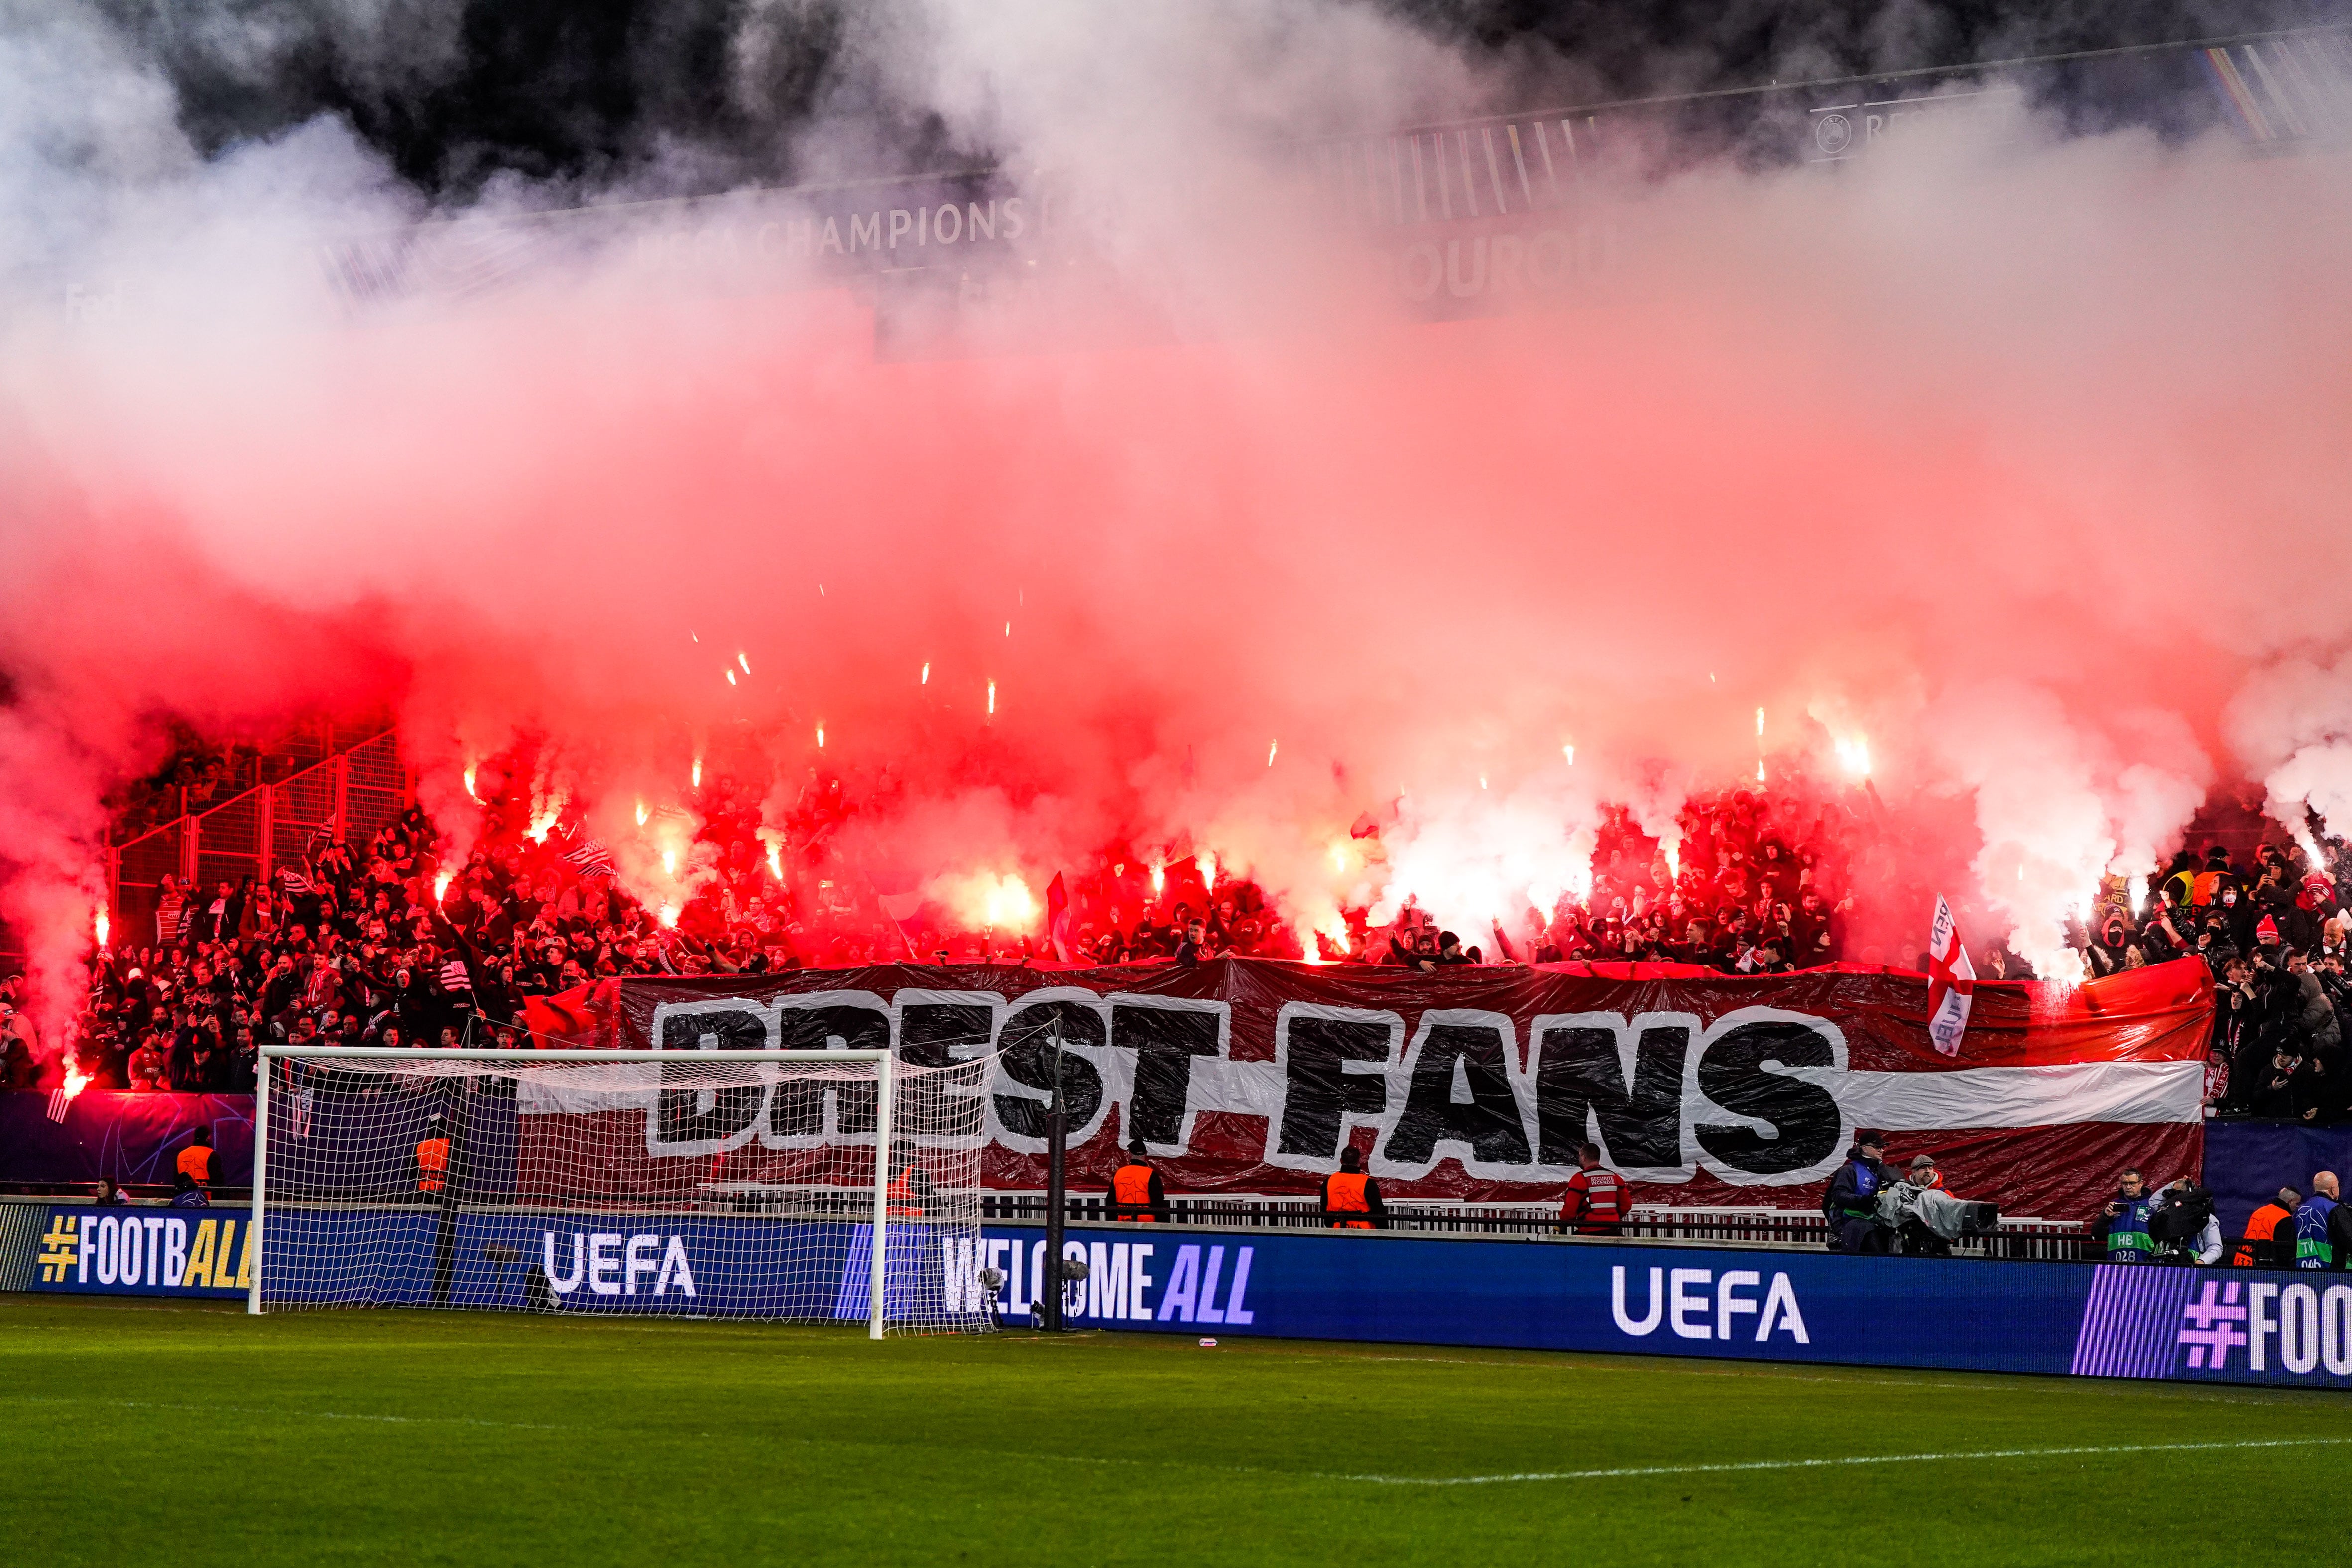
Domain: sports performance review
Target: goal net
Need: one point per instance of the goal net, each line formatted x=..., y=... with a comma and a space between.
x=681, y=1183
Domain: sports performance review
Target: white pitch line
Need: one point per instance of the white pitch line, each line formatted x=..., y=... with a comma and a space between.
x=288, y=1415
x=1828, y=1464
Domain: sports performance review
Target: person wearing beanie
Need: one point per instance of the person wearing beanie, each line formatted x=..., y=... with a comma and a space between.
x=1135, y=1192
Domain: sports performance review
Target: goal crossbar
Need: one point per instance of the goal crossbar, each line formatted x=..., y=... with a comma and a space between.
x=881, y=1059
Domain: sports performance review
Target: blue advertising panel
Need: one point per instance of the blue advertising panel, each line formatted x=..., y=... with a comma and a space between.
x=143, y=1251
x=2108, y=1320
x=2223, y=1325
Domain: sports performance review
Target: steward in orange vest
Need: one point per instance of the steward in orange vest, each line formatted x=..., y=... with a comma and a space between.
x=196, y=1160
x=432, y=1155
x=1351, y=1200
x=910, y=1193
x=2262, y=1248
x=1136, y=1193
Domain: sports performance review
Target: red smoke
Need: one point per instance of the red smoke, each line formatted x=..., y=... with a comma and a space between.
x=2016, y=467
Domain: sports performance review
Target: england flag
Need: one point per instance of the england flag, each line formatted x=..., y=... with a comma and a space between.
x=1951, y=982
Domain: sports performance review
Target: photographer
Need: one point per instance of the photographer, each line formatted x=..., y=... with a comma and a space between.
x=2183, y=1225
x=2121, y=1228
x=1850, y=1205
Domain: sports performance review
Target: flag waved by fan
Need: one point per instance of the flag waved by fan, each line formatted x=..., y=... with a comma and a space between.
x=1951, y=982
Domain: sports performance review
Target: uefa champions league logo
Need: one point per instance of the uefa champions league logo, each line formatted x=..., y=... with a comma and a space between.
x=1832, y=134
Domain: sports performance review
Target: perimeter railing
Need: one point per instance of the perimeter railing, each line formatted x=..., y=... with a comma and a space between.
x=2041, y=1240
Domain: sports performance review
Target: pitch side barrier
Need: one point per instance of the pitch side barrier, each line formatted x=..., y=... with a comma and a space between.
x=2208, y=1325
x=2282, y=1328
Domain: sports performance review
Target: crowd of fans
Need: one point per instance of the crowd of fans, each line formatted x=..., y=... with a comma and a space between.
x=390, y=943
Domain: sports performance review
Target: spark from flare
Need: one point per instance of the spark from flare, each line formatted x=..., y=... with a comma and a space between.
x=743, y=661
x=1272, y=747
x=924, y=679
x=670, y=862
x=545, y=811
x=697, y=772
x=1569, y=753
x=468, y=777
x=991, y=696
x=1759, y=723
x=730, y=678
x=820, y=737
x=641, y=814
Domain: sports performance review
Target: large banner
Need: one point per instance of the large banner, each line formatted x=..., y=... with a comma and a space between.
x=1249, y=1075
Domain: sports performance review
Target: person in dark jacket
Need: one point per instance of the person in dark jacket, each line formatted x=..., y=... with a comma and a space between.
x=2120, y=1232
x=1851, y=1202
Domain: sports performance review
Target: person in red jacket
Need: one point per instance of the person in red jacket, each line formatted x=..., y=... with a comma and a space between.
x=1598, y=1199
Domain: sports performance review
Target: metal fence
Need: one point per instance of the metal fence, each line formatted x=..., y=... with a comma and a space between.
x=266, y=828
x=2042, y=1240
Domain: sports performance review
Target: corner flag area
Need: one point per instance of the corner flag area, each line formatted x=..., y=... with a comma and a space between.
x=190, y=1433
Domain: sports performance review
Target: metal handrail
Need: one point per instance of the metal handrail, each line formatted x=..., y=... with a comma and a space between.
x=2023, y=1236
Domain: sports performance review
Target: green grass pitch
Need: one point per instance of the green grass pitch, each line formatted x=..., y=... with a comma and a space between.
x=188, y=1434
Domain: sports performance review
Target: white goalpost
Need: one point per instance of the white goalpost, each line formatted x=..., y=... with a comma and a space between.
x=822, y=1185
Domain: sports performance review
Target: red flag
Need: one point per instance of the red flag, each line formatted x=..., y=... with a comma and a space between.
x=1057, y=916
x=581, y=1016
x=1951, y=982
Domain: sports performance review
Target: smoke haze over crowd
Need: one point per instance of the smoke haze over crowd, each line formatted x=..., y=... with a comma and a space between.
x=2018, y=459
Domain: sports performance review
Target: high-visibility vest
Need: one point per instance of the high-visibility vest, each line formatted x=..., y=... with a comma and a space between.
x=2264, y=1228
x=1130, y=1188
x=1603, y=1204
x=1343, y=1192
x=195, y=1162
x=2312, y=1247
x=2128, y=1238
x=432, y=1161
x=900, y=1200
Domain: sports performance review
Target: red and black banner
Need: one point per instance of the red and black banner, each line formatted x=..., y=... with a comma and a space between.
x=1250, y=1075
